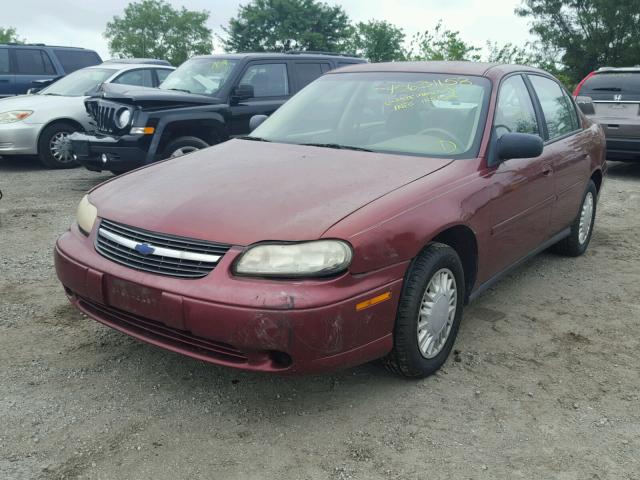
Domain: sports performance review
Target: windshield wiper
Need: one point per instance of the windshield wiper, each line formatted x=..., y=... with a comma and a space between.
x=608, y=89
x=52, y=94
x=337, y=146
x=255, y=139
x=184, y=90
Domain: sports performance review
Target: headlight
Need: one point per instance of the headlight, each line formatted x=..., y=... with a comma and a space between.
x=86, y=216
x=308, y=259
x=14, y=116
x=123, y=118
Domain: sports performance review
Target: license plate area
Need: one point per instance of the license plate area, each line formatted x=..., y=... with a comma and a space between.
x=134, y=298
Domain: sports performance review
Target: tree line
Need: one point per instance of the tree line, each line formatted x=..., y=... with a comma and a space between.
x=572, y=37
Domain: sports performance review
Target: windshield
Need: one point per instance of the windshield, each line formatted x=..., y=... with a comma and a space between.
x=200, y=75
x=79, y=82
x=408, y=113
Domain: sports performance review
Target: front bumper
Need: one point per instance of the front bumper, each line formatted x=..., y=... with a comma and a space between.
x=19, y=138
x=251, y=324
x=103, y=152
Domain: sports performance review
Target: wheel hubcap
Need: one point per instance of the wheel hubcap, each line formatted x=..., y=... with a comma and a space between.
x=586, y=218
x=60, y=147
x=437, y=313
x=183, y=151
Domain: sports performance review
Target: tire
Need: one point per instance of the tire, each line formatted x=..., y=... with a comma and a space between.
x=183, y=144
x=578, y=240
x=407, y=358
x=54, y=150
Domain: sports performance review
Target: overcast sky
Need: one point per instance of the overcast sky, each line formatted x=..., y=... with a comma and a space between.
x=81, y=22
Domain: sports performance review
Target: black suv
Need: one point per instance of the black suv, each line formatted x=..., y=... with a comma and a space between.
x=207, y=100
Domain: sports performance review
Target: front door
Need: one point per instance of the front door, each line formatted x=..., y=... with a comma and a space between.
x=7, y=87
x=31, y=65
x=271, y=86
x=523, y=188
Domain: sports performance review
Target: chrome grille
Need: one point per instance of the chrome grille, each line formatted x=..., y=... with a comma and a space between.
x=156, y=252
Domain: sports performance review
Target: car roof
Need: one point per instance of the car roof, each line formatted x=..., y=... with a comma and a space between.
x=42, y=45
x=455, y=68
x=129, y=66
x=292, y=55
x=139, y=61
x=618, y=69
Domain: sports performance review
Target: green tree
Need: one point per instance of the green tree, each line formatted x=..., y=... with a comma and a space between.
x=153, y=28
x=441, y=44
x=378, y=41
x=282, y=25
x=586, y=34
x=9, y=35
x=508, y=53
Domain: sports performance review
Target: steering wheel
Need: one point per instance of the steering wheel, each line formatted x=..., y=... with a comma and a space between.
x=440, y=132
x=500, y=125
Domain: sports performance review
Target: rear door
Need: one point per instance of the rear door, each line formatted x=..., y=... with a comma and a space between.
x=31, y=65
x=271, y=82
x=616, y=101
x=565, y=149
x=7, y=86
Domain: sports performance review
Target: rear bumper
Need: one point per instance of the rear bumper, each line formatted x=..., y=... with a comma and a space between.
x=19, y=138
x=101, y=152
x=270, y=326
x=623, y=148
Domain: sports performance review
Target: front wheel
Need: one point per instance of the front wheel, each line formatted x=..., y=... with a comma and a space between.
x=182, y=146
x=582, y=227
x=429, y=313
x=54, y=147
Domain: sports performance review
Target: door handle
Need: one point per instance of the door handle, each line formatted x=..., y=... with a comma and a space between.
x=547, y=170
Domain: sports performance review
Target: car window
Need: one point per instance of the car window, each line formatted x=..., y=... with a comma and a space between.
x=558, y=110
x=162, y=73
x=141, y=77
x=73, y=60
x=308, y=72
x=612, y=85
x=33, y=62
x=202, y=75
x=438, y=115
x=514, y=110
x=267, y=80
x=79, y=82
x=4, y=60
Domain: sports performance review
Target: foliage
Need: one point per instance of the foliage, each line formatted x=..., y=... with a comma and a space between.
x=508, y=53
x=283, y=25
x=9, y=35
x=378, y=41
x=441, y=44
x=153, y=28
x=586, y=34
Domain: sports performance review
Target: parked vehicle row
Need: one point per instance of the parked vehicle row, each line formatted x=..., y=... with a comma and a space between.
x=207, y=100
x=354, y=223
x=40, y=124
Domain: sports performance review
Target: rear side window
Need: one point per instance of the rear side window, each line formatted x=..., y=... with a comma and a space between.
x=308, y=72
x=33, y=62
x=268, y=80
x=73, y=60
x=603, y=86
x=141, y=78
x=4, y=60
x=162, y=74
x=514, y=112
x=559, y=112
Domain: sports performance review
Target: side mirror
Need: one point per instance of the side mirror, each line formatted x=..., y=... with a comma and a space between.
x=242, y=92
x=519, y=145
x=586, y=105
x=256, y=121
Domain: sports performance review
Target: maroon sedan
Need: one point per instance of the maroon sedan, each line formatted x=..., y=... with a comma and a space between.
x=354, y=224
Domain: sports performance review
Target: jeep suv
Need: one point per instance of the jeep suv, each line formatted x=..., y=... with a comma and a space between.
x=611, y=97
x=26, y=67
x=207, y=100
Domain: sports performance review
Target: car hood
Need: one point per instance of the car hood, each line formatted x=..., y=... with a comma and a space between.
x=35, y=102
x=241, y=192
x=152, y=97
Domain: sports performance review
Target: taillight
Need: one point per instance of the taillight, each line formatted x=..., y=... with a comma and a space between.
x=576, y=92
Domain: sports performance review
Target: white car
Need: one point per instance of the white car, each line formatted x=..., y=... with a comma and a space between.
x=39, y=124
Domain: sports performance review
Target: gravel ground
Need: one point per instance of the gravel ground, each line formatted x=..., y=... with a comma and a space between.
x=543, y=383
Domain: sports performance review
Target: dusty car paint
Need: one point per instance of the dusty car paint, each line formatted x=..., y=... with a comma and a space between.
x=388, y=207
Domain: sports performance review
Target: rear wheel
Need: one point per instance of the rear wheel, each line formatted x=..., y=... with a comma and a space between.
x=429, y=313
x=182, y=146
x=582, y=227
x=54, y=147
